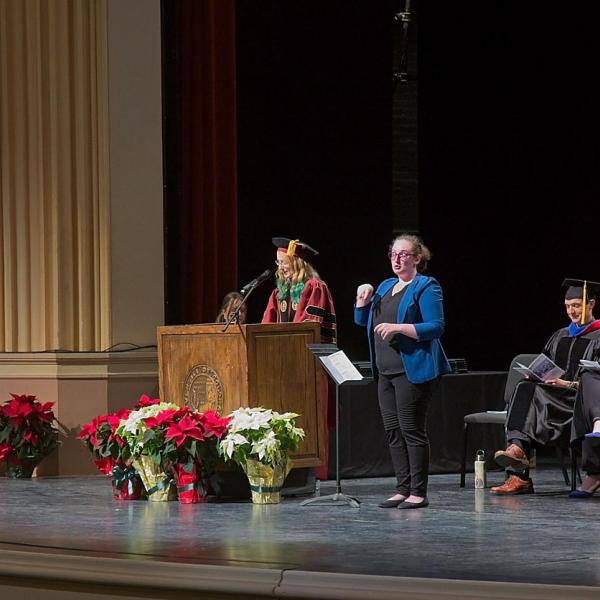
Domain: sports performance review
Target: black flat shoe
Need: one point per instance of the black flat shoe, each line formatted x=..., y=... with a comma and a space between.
x=421, y=504
x=390, y=503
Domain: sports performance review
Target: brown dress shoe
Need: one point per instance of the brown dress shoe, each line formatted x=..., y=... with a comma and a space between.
x=513, y=456
x=514, y=485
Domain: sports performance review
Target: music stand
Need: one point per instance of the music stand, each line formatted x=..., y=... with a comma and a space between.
x=338, y=498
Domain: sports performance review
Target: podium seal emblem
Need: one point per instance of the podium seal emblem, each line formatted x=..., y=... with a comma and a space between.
x=203, y=389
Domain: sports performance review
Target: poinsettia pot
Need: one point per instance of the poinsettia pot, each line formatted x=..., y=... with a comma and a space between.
x=191, y=488
x=126, y=483
x=266, y=481
x=17, y=468
x=158, y=484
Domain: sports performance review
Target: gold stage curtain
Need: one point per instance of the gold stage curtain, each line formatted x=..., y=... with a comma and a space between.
x=54, y=224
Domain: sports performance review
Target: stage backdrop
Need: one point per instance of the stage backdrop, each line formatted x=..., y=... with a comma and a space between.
x=313, y=115
x=509, y=156
x=314, y=142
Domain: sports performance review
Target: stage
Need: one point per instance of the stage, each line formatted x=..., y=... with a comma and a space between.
x=67, y=538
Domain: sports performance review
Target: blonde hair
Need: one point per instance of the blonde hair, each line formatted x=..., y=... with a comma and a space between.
x=301, y=270
x=419, y=248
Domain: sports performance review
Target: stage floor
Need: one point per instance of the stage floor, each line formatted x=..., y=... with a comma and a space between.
x=465, y=534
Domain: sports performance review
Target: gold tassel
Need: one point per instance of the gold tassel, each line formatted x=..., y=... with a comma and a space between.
x=584, y=302
x=291, y=251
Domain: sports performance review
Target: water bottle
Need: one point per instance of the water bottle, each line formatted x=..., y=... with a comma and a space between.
x=479, y=470
x=318, y=487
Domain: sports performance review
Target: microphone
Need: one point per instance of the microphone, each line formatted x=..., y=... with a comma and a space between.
x=255, y=282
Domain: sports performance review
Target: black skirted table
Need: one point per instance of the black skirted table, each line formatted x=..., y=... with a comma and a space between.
x=363, y=446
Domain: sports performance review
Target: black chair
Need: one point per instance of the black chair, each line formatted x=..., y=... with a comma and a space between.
x=499, y=418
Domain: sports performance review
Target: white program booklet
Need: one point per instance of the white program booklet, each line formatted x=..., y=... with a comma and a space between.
x=340, y=367
x=590, y=364
x=541, y=368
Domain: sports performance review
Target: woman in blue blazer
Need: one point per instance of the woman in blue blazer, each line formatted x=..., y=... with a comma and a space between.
x=404, y=318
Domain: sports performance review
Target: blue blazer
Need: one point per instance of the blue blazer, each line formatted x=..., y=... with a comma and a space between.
x=424, y=359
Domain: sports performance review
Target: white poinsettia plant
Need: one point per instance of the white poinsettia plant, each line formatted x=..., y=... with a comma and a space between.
x=134, y=428
x=260, y=434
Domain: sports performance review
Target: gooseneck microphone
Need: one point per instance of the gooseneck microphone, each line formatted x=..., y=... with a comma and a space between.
x=255, y=282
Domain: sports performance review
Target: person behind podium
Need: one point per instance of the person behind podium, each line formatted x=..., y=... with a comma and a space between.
x=542, y=412
x=405, y=321
x=300, y=294
x=231, y=302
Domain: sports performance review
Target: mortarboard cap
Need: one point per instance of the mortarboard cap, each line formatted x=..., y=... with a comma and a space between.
x=294, y=247
x=577, y=287
x=581, y=288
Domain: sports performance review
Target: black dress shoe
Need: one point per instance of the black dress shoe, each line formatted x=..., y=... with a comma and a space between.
x=421, y=504
x=390, y=503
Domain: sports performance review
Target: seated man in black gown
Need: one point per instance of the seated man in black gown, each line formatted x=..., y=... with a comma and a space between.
x=541, y=413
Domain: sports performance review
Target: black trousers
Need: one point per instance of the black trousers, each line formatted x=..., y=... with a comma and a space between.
x=587, y=411
x=403, y=408
x=591, y=456
x=538, y=414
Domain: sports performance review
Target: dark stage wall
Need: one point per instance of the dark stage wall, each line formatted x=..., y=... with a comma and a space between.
x=508, y=170
x=314, y=142
x=508, y=158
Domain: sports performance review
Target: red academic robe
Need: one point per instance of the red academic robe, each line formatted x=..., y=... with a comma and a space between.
x=315, y=304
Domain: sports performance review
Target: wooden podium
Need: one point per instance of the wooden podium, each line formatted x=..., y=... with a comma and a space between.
x=248, y=365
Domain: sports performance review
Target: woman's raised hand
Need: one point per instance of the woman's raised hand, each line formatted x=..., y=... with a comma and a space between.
x=363, y=294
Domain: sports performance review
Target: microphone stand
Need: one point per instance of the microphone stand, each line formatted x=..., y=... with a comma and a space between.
x=234, y=315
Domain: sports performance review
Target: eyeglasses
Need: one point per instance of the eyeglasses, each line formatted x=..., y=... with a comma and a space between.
x=402, y=254
x=281, y=263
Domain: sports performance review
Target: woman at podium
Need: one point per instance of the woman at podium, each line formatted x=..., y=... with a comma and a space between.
x=405, y=320
x=300, y=294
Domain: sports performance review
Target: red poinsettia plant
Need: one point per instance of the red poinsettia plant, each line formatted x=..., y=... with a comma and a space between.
x=27, y=432
x=106, y=447
x=191, y=450
x=169, y=434
x=111, y=453
x=178, y=440
x=192, y=436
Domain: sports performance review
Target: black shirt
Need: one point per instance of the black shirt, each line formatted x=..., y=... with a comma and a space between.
x=387, y=357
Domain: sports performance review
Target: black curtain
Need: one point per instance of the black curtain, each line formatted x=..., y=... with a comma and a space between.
x=508, y=163
x=314, y=142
